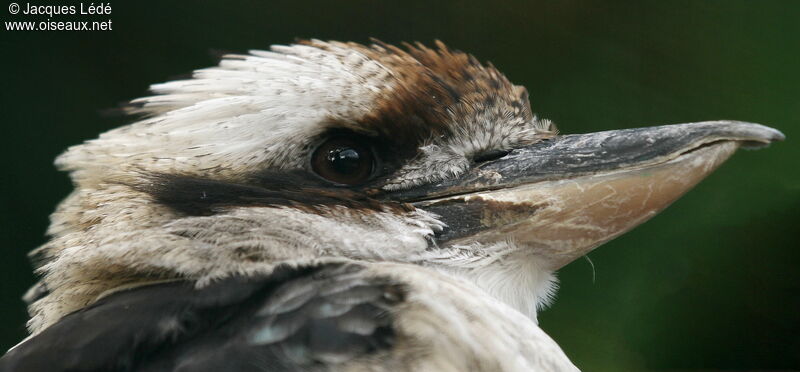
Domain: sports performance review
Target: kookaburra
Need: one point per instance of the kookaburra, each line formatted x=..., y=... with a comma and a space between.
x=331, y=206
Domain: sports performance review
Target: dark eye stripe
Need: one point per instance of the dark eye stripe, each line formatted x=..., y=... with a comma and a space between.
x=197, y=196
x=489, y=155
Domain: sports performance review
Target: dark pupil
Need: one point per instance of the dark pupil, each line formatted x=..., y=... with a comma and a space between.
x=345, y=160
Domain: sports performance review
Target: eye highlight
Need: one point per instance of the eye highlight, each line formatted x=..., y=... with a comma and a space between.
x=344, y=161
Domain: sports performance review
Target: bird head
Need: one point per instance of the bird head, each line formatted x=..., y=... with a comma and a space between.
x=366, y=152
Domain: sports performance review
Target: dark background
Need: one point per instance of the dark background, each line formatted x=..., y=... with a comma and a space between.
x=711, y=283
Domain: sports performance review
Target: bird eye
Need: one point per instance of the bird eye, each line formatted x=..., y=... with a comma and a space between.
x=344, y=161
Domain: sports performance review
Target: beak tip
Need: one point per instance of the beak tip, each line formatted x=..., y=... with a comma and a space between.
x=755, y=136
x=777, y=135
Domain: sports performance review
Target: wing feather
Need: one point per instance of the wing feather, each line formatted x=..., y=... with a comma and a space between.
x=296, y=319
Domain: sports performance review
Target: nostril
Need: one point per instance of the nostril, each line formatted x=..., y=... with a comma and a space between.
x=489, y=155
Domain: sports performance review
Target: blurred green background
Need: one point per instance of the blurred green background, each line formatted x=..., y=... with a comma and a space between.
x=711, y=283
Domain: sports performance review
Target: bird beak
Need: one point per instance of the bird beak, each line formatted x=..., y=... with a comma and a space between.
x=563, y=197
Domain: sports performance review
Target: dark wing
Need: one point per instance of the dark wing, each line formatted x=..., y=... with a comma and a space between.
x=296, y=319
